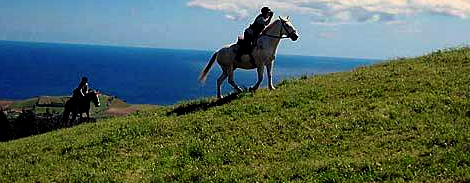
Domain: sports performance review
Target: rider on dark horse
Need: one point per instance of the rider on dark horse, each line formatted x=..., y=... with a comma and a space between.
x=80, y=102
x=253, y=32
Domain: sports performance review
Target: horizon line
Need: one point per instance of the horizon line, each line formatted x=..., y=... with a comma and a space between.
x=184, y=49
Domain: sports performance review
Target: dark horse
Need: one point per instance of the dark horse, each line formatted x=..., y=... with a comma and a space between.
x=83, y=107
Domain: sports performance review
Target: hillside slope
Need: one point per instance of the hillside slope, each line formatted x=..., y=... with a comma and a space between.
x=403, y=120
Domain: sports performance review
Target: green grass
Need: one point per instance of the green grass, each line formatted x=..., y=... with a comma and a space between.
x=24, y=104
x=403, y=120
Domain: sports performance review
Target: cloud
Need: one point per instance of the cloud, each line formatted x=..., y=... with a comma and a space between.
x=232, y=8
x=327, y=34
x=239, y=16
x=341, y=11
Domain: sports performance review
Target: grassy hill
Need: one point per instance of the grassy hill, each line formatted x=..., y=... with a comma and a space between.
x=403, y=120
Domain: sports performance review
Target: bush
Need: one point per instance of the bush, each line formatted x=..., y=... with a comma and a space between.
x=5, y=128
x=25, y=124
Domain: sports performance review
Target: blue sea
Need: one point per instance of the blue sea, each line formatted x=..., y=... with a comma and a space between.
x=136, y=75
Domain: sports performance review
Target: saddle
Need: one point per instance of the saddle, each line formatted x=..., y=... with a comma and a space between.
x=241, y=41
x=245, y=49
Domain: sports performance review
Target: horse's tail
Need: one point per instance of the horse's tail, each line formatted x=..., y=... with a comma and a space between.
x=203, y=76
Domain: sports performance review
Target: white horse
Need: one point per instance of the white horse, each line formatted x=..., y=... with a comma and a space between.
x=263, y=53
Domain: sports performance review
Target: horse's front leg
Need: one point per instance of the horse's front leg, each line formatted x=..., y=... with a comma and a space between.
x=270, y=76
x=87, y=116
x=72, y=121
x=260, y=71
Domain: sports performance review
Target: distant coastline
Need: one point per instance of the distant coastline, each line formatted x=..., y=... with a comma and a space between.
x=137, y=75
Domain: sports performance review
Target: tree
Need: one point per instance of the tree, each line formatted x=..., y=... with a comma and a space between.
x=25, y=124
x=5, y=128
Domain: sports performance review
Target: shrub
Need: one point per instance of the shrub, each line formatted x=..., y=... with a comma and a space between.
x=5, y=128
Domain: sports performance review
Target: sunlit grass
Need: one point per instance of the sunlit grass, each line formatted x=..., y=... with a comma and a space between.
x=403, y=120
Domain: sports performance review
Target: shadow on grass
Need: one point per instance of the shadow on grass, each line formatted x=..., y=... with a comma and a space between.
x=202, y=105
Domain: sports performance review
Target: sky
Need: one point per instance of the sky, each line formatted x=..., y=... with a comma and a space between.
x=380, y=29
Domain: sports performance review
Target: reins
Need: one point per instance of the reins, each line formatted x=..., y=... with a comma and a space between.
x=281, y=36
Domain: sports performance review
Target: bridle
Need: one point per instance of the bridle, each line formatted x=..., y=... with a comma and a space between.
x=281, y=36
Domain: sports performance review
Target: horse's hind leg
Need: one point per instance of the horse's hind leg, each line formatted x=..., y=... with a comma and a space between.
x=80, y=119
x=232, y=82
x=220, y=81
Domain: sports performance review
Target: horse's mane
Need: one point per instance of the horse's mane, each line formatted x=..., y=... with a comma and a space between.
x=270, y=26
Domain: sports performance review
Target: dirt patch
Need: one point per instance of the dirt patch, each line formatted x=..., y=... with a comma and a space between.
x=45, y=100
x=5, y=103
x=121, y=111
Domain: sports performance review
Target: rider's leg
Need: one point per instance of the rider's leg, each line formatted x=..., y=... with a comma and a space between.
x=245, y=46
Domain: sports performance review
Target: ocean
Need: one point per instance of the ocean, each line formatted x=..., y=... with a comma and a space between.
x=136, y=75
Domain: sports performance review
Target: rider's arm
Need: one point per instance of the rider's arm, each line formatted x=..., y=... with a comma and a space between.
x=81, y=93
x=261, y=20
x=85, y=88
x=269, y=19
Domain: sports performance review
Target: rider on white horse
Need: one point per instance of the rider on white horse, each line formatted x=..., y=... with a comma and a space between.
x=253, y=32
x=262, y=55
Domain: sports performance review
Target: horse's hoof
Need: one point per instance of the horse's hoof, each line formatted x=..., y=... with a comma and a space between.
x=252, y=89
x=272, y=88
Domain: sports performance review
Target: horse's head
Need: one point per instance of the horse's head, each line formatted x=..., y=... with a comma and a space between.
x=288, y=29
x=94, y=95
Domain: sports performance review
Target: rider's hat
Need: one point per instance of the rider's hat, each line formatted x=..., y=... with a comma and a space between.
x=265, y=10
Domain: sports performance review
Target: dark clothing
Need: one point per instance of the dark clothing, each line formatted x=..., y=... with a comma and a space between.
x=78, y=94
x=246, y=44
x=259, y=24
x=76, y=97
x=81, y=90
x=250, y=35
x=84, y=86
